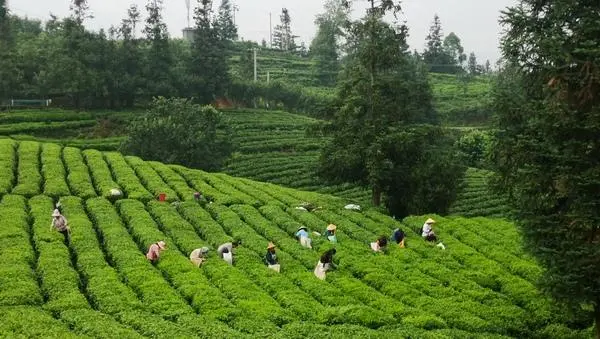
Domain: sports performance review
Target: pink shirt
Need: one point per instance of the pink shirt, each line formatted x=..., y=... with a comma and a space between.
x=60, y=223
x=153, y=252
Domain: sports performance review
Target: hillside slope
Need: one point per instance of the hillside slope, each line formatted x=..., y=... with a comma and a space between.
x=101, y=285
x=273, y=146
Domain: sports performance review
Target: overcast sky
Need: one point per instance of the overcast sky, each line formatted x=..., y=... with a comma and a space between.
x=474, y=21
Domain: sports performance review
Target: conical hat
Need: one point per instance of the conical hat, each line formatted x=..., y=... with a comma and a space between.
x=162, y=245
x=331, y=227
x=271, y=245
x=430, y=221
x=56, y=213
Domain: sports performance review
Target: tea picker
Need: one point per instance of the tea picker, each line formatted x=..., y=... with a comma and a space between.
x=398, y=236
x=380, y=244
x=198, y=256
x=302, y=236
x=271, y=258
x=330, y=233
x=428, y=234
x=59, y=222
x=325, y=264
x=154, y=251
x=225, y=251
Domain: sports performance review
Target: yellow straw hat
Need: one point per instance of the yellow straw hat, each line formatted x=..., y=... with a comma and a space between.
x=331, y=227
x=430, y=221
x=271, y=245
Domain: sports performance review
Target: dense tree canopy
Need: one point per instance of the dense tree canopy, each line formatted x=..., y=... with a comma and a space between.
x=548, y=149
x=383, y=95
x=178, y=131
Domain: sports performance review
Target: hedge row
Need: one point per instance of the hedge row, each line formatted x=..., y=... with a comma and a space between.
x=196, y=181
x=29, y=179
x=126, y=177
x=262, y=313
x=130, y=261
x=150, y=179
x=7, y=165
x=78, y=175
x=101, y=175
x=185, y=277
x=32, y=322
x=382, y=313
x=174, y=180
x=103, y=285
x=60, y=281
x=53, y=171
x=18, y=285
x=28, y=127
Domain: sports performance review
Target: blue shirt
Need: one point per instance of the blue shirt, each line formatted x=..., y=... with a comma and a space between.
x=302, y=233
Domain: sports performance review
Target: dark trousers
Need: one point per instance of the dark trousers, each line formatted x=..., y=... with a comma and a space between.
x=67, y=236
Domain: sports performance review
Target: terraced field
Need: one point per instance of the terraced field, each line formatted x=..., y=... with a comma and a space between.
x=272, y=146
x=476, y=199
x=100, y=284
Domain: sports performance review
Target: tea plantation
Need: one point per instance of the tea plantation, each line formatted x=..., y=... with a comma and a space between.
x=272, y=146
x=102, y=286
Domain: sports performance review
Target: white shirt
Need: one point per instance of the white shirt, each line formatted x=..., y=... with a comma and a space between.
x=426, y=230
x=197, y=253
x=227, y=245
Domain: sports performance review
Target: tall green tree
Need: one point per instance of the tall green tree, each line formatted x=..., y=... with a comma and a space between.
x=158, y=59
x=283, y=38
x=435, y=54
x=224, y=22
x=181, y=132
x=472, y=66
x=211, y=49
x=324, y=52
x=130, y=63
x=79, y=78
x=325, y=47
x=548, y=154
x=382, y=95
x=455, y=52
x=7, y=67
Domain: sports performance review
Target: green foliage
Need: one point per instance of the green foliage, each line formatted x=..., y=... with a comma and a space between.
x=18, y=285
x=211, y=46
x=177, y=131
x=477, y=198
x=29, y=178
x=474, y=148
x=101, y=284
x=381, y=96
x=100, y=173
x=324, y=51
x=424, y=174
x=78, y=175
x=53, y=170
x=8, y=162
x=547, y=149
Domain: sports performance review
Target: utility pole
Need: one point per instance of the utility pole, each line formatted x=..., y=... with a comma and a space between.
x=235, y=9
x=254, y=50
x=270, y=32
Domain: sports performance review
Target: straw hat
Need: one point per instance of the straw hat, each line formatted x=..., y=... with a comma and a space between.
x=161, y=244
x=302, y=228
x=430, y=221
x=331, y=227
x=271, y=245
x=204, y=250
x=56, y=213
